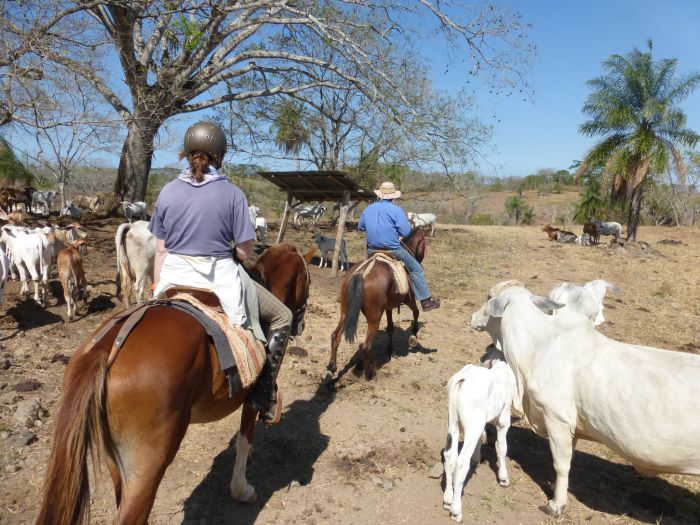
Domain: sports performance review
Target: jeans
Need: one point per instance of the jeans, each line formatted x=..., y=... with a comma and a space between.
x=415, y=270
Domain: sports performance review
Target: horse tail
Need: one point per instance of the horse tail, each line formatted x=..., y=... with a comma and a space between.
x=123, y=269
x=355, y=297
x=80, y=428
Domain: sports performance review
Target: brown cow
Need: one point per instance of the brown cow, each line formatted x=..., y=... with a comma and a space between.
x=551, y=231
x=89, y=203
x=70, y=272
x=591, y=228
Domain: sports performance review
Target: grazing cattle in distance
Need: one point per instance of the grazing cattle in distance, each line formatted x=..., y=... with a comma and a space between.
x=136, y=251
x=566, y=237
x=586, y=300
x=7, y=199
x=574, y=382
x=308, y=211
x=610, y=228
x=30, y=252
x=43, y=199
x=326, y=246
x=591, y=228
x=551, y=231
x=134, y=210
x=423, y=220
x=17, y=218
x=584, y=240
x=25, y=197
x=554, y=234
x=70, y=210
x=72, y=276
x=88, y=203
x=476, y=396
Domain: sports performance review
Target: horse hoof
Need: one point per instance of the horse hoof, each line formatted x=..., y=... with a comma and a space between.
x=412, y=341
x=370, y=374
x=550, y=510
x=504, y=482
x=247, y=495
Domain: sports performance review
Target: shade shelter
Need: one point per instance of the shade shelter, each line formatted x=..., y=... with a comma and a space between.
x=308, y=186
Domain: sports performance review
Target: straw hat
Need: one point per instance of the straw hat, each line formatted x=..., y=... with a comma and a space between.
x=387, y=191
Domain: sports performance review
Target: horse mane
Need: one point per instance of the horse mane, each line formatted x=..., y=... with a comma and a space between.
x=410, y=235
x=277, y=250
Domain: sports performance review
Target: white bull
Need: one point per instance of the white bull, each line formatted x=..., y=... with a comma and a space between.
x=423, y=220
x=136, y=250
x=134, y=210
x=30, y=252
x=609, y=228
x=586, y=299
x=576, y=383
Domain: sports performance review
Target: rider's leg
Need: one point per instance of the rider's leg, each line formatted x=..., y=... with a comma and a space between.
x=420, y=285
x=264, y=397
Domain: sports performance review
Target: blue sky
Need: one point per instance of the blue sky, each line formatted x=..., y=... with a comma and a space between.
x=573, y=38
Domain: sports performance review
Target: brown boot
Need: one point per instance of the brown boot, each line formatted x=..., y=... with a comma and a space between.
x=430, y=304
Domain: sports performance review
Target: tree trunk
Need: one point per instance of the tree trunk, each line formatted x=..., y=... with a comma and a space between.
x=62, y=191
x=135, y=161
x=635, y=210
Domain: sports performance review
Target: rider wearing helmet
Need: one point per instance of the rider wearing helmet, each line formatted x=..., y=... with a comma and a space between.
x=198, y=219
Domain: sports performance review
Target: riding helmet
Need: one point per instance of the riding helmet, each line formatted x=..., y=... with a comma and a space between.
x=206, y=137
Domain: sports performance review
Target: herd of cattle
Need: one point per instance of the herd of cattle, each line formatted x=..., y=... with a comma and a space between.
x=591, y=232
x=546, y=358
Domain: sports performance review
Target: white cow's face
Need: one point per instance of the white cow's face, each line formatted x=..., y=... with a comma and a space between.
x=481, y=317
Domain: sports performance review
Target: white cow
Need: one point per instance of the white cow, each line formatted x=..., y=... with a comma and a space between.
x=423, y=220
x=476, y=396
x=136, y=250
x=71, y=210
x=586, y=299
x=4, y=274
x=30, y=252
x=576, y=383
x=43, y=198
x=259, y=223
x=88, y=203
x=609, y=228
x=134, y=210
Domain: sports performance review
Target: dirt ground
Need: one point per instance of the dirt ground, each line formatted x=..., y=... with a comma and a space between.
x=369, y=452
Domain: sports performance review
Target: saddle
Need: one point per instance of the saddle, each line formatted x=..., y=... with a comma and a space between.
x=397, y=267
x=241, y=356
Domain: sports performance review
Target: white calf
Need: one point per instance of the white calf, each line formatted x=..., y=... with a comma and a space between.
x=576, y=383
x=586, y=300
x=422, y=220
x=134, y=210
x=136, y=250
x=30, y=251
x=476, y=396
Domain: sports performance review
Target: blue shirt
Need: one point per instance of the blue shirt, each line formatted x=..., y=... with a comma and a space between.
x=384, y=223
x=201, y=219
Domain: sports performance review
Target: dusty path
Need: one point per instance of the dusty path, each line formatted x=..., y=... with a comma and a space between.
x=359, y=452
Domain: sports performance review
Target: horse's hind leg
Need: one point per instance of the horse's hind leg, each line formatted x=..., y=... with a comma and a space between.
x=389, y=332
x=143, y=461
x=366, y=348
x=240, y=489
x=336, y=336
x=413, y=338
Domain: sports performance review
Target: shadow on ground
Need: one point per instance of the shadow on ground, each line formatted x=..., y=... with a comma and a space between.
x=283, y=455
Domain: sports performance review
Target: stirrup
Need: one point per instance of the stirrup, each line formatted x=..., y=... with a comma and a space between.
x=273, y=415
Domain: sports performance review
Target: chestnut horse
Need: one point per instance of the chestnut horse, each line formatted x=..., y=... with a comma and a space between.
x=375, y=294
x=134, y=413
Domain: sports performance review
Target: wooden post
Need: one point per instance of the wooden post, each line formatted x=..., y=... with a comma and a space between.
x=285, y=217
x=340, y=231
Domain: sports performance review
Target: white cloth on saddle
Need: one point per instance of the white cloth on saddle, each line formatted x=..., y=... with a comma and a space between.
x=397, y=267
x=221, y=276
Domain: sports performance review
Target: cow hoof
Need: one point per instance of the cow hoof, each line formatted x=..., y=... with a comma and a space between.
x=370, y=373
x=412, y=341
x=504, y=482
x=456, y=517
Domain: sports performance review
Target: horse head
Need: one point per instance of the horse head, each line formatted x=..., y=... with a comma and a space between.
x=415, y=243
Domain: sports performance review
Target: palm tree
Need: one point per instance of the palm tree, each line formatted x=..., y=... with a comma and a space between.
x=633, y=106
x=290, y=133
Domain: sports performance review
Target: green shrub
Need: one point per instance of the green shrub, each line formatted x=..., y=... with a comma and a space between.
x=481, y=219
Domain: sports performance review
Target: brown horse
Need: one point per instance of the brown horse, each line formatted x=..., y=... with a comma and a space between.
x=134, y=413
x=373, y=295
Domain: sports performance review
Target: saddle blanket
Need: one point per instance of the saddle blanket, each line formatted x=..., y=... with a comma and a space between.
x=397, y=267
x=248, y=352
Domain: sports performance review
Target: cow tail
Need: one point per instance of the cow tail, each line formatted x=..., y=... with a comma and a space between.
x=355, y=300
x=123, y=269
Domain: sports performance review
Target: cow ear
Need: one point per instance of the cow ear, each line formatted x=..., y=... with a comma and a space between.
x=497, y=306
x=544, y=303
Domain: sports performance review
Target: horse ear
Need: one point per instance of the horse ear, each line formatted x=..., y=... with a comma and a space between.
x=309, y=255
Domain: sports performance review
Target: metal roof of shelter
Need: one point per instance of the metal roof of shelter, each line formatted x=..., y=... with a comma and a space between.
x=317, y=185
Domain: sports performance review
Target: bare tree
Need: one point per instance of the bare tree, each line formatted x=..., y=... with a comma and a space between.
x=184, y=57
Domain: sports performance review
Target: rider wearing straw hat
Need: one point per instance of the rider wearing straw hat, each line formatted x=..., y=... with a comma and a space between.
x=385, y=223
